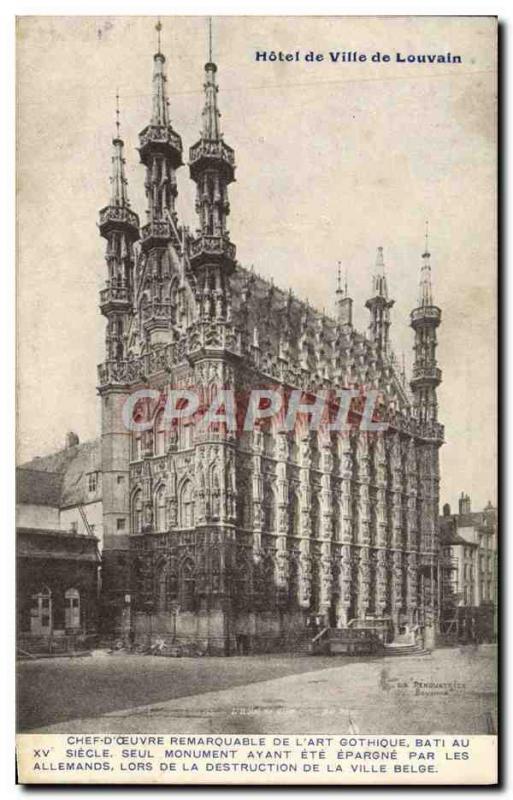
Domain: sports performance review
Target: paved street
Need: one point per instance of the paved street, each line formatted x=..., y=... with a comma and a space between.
x=449, y=691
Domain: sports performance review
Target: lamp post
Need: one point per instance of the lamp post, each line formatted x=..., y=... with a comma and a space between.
x=148, y=606
x=128, y=607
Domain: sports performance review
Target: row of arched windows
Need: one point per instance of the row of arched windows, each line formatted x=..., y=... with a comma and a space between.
x=269, y=508
x=160, y=521
x=50, y=611
x=295, y=444
x=160, y=436
x=178, y=589
x=186, y=516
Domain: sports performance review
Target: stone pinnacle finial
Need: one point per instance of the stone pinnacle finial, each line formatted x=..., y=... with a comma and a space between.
x=118, y=179
x=160, y=115
x=341, y=290
x=117, y=115
x=380, y=262
x=379, y=281
x=158, y=28
x=425, y=287
x=211, y=112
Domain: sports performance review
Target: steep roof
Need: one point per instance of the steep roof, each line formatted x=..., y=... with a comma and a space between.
x=455, y=538
x=275, y=315
x=34, y=487
x=482, y=520
x=59, y=478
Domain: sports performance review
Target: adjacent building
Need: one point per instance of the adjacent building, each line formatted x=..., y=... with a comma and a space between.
x=58, y=529
x=468, y=567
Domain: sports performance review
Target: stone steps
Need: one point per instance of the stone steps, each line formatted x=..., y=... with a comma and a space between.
x=405, y=650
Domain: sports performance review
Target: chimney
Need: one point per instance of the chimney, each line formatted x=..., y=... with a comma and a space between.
x=71, y=439
x=447, y=510
x=464, y=504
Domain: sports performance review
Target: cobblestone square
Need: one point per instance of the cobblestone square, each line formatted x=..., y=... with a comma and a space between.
x=452, y=690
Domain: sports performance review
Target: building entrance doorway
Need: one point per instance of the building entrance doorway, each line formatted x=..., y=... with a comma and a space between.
x=41, y=612
x=72, y=609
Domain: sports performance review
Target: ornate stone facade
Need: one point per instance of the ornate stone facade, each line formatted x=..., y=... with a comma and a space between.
x=252, y=539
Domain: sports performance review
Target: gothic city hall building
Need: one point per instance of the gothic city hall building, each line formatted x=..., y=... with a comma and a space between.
x=223, y=537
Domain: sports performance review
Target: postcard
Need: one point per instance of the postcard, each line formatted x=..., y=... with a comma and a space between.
x=257, y=534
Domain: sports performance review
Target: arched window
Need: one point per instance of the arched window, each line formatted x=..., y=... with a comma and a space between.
x=186, y=435
x=293, y=513
x=159, y=438
x=269, y=505
x=336, y=520
x=269, y=439
x=314, y=586
x=268, y=581
x=72, y=608
x=314, y=451
x=216, y=492
x=162, y=589
x=335, y=451
x=139, y=415
x=173, y=298
x=242, y=584
x=187, y=505
x=136, y=446
x=41, y=612
x=293, y=582
x=137, y=512
x=245, y=503
x=294, y=445
x=187, y=586
x=162, y=586
x=160, y=509
x=315, y=517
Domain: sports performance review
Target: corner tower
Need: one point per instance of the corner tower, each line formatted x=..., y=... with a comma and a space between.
x=119, y=225
x=425, y=320
x=212, y=168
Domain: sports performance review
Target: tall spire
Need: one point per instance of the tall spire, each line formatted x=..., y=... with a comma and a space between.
x=160, y=114
x=160, y=150
x=212, y=161
x=212, y=168
x=379, y=306
x=425, y=288
x=119, y=197
x=211, y=113
x=119, y=225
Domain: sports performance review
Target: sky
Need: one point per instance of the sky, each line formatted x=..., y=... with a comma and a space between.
x=333, y=160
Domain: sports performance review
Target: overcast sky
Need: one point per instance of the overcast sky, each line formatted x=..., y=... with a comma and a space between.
x=333, y=159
